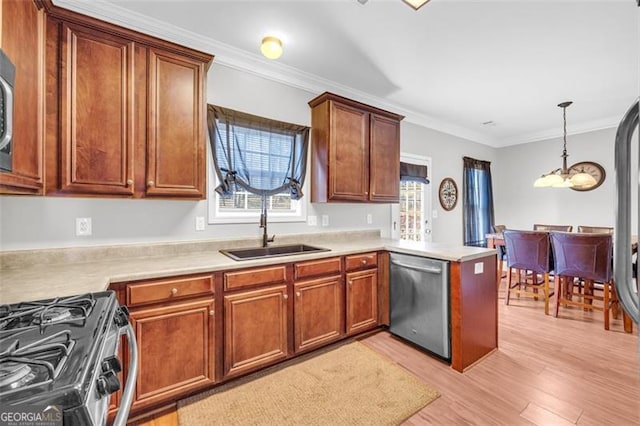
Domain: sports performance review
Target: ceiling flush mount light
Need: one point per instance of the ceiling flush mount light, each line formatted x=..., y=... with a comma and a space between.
x=271, y=47
x=561, y=178
x=416, y=4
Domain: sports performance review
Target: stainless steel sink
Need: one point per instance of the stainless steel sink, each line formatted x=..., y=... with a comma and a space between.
x=273, y=251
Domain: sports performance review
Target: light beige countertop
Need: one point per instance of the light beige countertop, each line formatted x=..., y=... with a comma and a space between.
x=41, y=274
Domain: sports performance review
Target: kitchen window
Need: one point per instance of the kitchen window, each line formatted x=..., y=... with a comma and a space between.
x=255, y=159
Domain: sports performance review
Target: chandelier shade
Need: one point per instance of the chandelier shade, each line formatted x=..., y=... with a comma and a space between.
x=561, y=177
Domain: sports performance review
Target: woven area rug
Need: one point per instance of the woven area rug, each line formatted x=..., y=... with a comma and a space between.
x=349, y=385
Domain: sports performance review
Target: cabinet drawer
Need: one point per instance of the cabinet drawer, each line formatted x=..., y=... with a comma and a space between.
x=165, y=289
x=251, y=277
x=360, y=261
x=317, y=267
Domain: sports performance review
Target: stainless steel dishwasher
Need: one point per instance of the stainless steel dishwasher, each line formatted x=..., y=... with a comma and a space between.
x=419, y=289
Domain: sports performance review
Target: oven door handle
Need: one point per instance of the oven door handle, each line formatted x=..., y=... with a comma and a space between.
x=129, y=390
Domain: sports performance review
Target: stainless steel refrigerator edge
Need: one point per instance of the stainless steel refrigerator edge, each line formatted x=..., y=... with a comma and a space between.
x=623, y=267
x=419, y=311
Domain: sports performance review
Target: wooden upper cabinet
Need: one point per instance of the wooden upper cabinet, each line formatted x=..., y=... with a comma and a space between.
x=22, y=40
x=355, y=151
x=348, y=153
x=384, y=165
x=96, y=112
x=176, y=149
x=124, y=111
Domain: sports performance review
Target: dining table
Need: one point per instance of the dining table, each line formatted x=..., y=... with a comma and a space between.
x=496, y=240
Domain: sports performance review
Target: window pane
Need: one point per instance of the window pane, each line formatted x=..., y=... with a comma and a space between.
x=411, y=225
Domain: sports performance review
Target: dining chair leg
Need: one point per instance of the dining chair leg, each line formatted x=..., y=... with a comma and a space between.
x=615, y=305
x=559, y=291
x=509, y=277
x=546, y=293
x=605, y=290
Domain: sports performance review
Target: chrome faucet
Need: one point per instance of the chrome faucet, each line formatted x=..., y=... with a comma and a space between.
x=263, y=224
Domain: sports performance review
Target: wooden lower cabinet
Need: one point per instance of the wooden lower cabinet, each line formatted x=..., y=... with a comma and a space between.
x=255, y=329
x=361, y=300
x=318, y=312
x=175, y=348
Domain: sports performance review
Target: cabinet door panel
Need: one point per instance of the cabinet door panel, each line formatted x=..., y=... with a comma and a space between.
x=22, y=41
x=384, y=171
x=349, y=153
x=97, y=112
x=362, y=300
x=176, y=145
x=175, y=346
x=318, y=312
x=255, y=329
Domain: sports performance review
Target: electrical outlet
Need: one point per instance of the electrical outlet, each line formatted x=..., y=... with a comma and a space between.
x=434, y=214
x=83, y=226
x=312, y=220
x=478, y=268
x=369, y=218
x=199, y=223
x=325, y=220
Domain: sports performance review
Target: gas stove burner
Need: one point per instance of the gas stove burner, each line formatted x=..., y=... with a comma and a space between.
x=56, y=314
x=14, y=375
x=71, y=310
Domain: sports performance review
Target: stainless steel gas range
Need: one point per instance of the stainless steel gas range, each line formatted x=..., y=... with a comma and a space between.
x=60, y=355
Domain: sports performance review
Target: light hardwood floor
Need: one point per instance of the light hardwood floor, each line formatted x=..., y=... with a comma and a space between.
x=547, y=371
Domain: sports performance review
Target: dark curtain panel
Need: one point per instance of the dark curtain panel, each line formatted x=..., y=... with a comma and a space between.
x=413, y=173
x=263, y=156
x=478, y=219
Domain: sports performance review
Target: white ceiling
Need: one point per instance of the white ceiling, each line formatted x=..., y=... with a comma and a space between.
x=452, y=65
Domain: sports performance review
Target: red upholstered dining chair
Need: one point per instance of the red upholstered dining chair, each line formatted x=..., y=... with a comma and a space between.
x=528, y=251
x=595, y=229
x=587, y=257
x=564, y=228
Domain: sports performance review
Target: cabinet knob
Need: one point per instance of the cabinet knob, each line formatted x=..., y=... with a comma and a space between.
x=350, y=282
x=129, y=182
x=174, y=291
x=298, y=293
x=366, y=192
x=151, y=183
x=212, y=312
x=286, y=296
x=363, y=261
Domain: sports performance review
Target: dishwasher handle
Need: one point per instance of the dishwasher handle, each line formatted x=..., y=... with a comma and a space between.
x=418, y=268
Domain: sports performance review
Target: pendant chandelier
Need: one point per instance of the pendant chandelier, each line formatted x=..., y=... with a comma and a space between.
x=561, y=178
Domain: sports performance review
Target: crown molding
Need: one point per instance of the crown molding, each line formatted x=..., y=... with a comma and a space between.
x=590, y=126
x=255, y=64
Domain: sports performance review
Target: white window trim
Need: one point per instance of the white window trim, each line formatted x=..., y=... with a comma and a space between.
x=215, y=217
x=427, y=194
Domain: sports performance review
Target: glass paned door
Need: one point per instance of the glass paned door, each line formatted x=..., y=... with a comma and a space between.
x=411, y=217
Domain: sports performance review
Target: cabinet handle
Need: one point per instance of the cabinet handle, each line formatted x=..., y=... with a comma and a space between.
x=129, y=182
x=298, y=293
x=286, y=296
x=174, y=291
x=151, y=183
x=212, y=312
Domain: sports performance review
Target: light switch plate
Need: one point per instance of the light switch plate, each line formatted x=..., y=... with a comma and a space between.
x=312, y=220
x=369, y=219
x=325, y=220
x=200, y=223
x=478, y=268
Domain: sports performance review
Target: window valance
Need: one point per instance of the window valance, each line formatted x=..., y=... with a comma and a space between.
x=413, y=172
x=263, y=156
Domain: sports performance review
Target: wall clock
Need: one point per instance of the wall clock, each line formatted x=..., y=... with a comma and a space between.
x=448, y=194
x=594, y=169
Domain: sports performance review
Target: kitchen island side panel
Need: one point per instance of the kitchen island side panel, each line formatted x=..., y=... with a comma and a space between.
x=474, y=311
